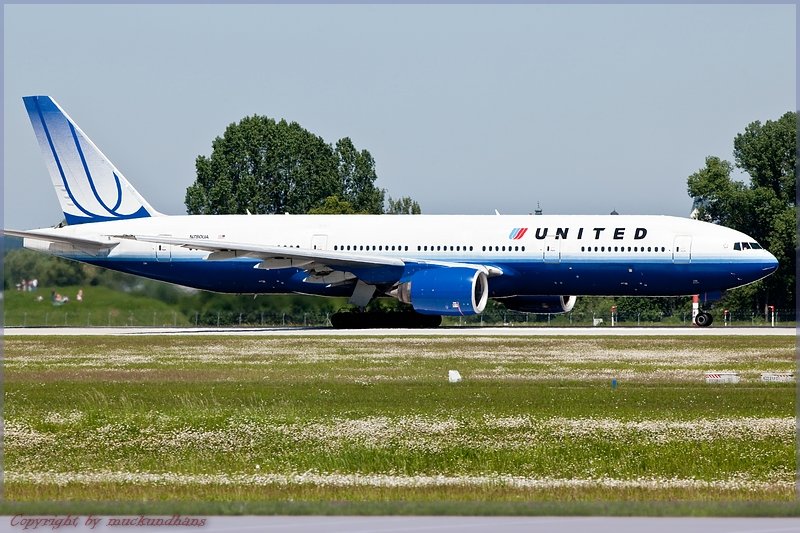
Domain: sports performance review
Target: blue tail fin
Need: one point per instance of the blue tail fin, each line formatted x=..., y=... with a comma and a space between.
x=88, y=185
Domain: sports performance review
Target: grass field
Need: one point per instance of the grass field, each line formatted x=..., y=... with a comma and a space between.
x=101, y=306
x=324, y=419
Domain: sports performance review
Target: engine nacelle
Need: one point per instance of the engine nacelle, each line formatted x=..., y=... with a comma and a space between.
x=447, y=291
x=539, y=304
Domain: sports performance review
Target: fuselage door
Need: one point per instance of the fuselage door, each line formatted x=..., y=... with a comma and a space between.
x=163, y=253
x=682, y=249
x=319, y=242
x=552, y=250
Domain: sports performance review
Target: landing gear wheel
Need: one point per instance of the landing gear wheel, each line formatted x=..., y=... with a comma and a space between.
x=383, y=319
x=703, y=319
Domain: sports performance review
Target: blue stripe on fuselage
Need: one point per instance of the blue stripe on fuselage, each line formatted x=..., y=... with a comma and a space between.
x=642, y=278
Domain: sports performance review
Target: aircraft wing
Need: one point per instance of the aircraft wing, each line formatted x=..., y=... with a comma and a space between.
x=61, y=238
x=273, y=256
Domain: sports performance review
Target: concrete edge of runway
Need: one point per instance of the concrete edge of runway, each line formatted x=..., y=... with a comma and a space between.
x=434, y=332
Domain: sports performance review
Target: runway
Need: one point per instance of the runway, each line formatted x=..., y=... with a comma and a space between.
x=434, y=332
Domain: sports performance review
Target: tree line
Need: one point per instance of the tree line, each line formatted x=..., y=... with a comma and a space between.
x=263, y=166
x=764, y=208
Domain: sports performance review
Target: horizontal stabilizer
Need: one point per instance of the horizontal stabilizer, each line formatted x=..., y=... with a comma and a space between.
x=78, y=242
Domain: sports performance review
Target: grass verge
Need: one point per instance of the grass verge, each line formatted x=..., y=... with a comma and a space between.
x=268, y=421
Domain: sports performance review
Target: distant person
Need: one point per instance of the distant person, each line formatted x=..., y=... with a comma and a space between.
x=58, y=299
x=79, y=296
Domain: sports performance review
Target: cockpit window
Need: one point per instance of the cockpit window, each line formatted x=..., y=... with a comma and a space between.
x=747, y=246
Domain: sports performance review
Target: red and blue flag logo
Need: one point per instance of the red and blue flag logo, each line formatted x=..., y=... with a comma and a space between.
x=517, y=233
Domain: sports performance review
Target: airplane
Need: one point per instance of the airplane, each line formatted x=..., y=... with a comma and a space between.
x=441, y=265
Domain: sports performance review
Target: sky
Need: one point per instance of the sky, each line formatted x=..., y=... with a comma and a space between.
x=582, y=109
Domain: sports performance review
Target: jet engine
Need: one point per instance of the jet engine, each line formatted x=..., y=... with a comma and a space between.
x=448, y=291
x=539, y=304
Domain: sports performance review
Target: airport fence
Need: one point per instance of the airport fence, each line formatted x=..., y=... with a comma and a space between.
x=65, y=317
x=72, y=317
x=783, y=318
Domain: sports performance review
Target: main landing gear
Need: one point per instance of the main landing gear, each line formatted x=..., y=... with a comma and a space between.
x=383, y=319
x=361, y=318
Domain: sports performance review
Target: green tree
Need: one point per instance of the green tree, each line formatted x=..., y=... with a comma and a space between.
x=768, y=153
x=357, y=176
x=47, y=269
x=333, y=205
x=764, y=208
x=263, y=166
x=403, y=206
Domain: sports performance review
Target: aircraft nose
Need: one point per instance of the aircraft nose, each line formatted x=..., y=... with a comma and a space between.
x=770, y=263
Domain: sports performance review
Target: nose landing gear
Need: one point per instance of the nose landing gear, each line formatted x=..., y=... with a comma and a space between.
x=703, y=319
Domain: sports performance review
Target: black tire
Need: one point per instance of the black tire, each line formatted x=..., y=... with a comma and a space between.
x=383, y=319
x=703, y=320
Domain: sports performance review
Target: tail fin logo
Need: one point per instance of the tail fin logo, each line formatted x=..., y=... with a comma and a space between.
x=517, y=233
x=89, y=187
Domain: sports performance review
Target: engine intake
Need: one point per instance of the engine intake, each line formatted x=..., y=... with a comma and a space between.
x=447, y=291
x=539, y=304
